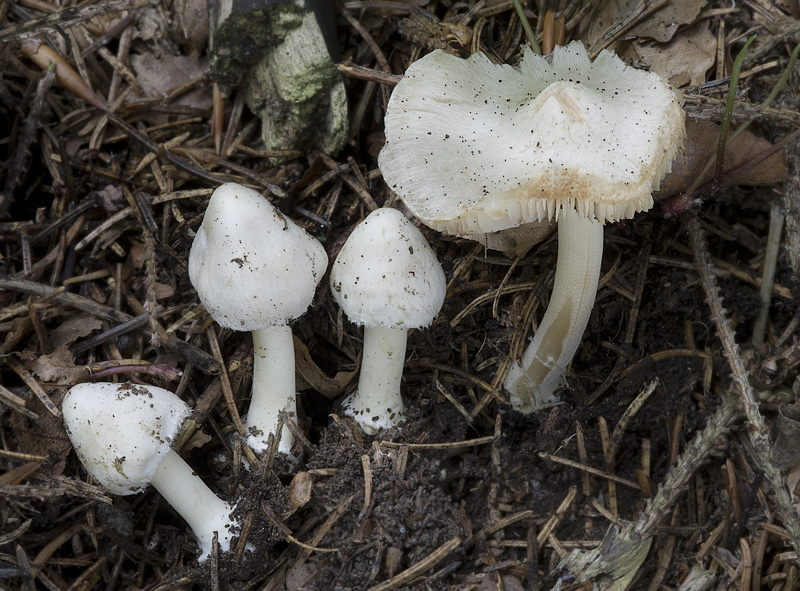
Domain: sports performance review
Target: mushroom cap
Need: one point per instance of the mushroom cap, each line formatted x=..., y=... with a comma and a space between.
x=121, y=432
x=475, y=147
x=251, y=266
x=386, y=274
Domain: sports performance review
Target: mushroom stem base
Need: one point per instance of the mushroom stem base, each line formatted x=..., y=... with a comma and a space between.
x=205, y=513
x=273, y=387
x=534, y=381
x=377, y=404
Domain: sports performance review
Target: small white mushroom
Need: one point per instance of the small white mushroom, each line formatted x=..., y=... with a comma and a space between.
x=474, y=147
x=254, y=269
x=122, y=435
x=386, y=278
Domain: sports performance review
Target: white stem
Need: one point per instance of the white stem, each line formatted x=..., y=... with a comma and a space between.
x=273, y=386
x=534, y=381
x=204, y=511
x=377, y=404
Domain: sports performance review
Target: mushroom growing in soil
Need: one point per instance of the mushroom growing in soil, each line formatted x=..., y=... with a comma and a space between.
x=386, y=278
x=122, y=435
x=254, y=269
x=473, y=147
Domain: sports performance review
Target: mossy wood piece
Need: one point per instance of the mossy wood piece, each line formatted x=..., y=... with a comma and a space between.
x=281, y=55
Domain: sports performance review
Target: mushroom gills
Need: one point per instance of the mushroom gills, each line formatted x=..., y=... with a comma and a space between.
x=534, y=381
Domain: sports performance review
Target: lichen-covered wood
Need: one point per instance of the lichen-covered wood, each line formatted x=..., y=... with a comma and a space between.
x=281, y=55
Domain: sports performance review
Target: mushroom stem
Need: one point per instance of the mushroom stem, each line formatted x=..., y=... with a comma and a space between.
x=534, y=380
x=205, y=513
x=273, y=386
x=377, y=404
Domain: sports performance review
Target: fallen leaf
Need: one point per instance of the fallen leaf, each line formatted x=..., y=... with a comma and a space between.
x=151, y=25
x=660, y=25
x=191, y=21
x=299, y=492
x=393, y=557
x=515, y=242
x=112, y=198
x=20, y=473
x=310, y=376
x=198, y=439
x=701, y=141
x=300, y=577
x=684, y=60
x=160, y=74
x=137, y=255
x=72, y=329
x=163, y=290
x=664, y=23
x=59, y=368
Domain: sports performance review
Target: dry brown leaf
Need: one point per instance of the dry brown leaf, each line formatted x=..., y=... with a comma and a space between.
x=163, y=290
x=191, y=21
x=112, y=198
x=683, y=61
x=198, y=439
x=790, y=7
x=301, y=577
x=310, y=376
x=72, y=329
x=160, y=74
x=701, y=141
x=151, y=26
x=137, y=255
x=20, y=473
x=299, y=492
x=59, y=368
x=660, y=25
x=664, y=23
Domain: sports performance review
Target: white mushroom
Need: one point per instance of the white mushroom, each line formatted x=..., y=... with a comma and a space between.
x=386, y=278
x=473, y=147
x=254, y=269
x=122, y=435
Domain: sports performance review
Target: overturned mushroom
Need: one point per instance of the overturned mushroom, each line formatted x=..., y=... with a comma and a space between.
x=122, y=434
x=473, y=147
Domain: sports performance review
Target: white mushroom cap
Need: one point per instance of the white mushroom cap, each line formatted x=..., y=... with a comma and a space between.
x=387, y=275
x=475, y=147
x=251, y=266
x=121, y=432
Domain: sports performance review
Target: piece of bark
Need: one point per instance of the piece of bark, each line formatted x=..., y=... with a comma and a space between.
x=282, y=55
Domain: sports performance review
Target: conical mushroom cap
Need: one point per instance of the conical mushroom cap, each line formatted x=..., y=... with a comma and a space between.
x=251, y=266
x=475, y=147
x=121, y=432
x=386, y=274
